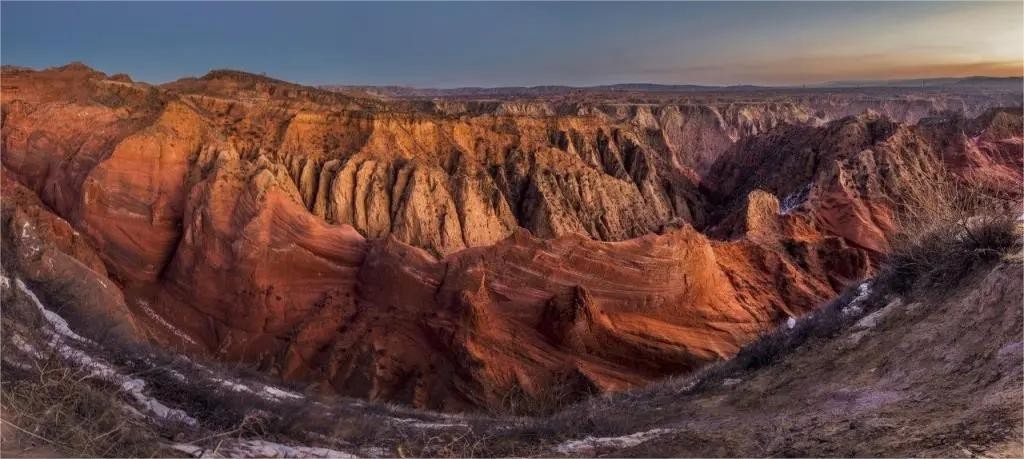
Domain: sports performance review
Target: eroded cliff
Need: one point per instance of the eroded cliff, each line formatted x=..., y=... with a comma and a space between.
x=445, y=258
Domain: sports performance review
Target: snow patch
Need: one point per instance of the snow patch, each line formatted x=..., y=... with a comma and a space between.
x=131, y=386
x=854, y=307
x=60, y=326
x=421, y=424
x=271, y=393
x=689, y=386
x=61, y=335
x=266, y=392
x=794, y=200
x=375, y=451
x=280, y=393
x=231, y=385
x=159, y=319
x=589, y=445
x=25, y=346
x=260, y=448
x=29, y=241
x=174, y=373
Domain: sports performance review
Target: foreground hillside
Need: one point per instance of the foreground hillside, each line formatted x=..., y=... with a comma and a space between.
x=883, y=370
x=462, y=258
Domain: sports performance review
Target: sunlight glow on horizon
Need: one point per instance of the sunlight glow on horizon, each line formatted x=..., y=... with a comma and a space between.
x=509, y=44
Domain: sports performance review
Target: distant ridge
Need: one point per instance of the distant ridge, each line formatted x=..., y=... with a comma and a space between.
x=1013, y=83
x=972, y=81
x=535, y=91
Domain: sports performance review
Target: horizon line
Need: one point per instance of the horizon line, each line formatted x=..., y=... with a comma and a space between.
x=837, y=83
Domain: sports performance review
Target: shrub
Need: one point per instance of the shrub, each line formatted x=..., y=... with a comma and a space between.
x=944, y=227
x=562, y=390
x=56, y=406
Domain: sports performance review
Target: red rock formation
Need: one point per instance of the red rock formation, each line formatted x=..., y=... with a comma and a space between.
x=850, y=174
x=376, y=251
x=48, y=253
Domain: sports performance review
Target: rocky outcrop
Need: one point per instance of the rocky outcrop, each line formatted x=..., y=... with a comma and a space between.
x=445, y=183
x=852, y=174
x=60, y=264
x=985, y=150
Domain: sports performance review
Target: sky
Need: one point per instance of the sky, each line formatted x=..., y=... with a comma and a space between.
x=512, y=44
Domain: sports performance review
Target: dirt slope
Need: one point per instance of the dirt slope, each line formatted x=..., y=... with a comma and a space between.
x=937, y=373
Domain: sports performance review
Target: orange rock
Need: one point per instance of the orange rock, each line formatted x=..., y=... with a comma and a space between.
x=440, y=254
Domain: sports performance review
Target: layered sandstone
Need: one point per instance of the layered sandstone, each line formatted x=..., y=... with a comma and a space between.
x=443, y=258
x=850, y=175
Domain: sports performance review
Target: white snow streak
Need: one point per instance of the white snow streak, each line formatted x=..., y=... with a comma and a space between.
x=261, y=448
x=421, y=424
x=159, y=319
x=854, y=306
x=589, y=445
x=59, y=337
x=794, y=200
x=60, y=326
x=280, y=393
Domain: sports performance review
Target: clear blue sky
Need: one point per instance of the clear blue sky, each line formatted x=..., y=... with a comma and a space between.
x=491, y=44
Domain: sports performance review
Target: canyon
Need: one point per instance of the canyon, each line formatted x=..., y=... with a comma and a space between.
x=455, y=251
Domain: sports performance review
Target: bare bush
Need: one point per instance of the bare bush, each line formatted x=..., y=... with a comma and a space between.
x=563, y=390
x=60, y=407
x=943, y=227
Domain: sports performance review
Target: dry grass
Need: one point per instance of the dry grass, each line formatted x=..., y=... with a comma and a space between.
x=63, y=408
x=946, y=226
x=821, y=324
x=46, y=402
x=507, y=435
x=563, y=390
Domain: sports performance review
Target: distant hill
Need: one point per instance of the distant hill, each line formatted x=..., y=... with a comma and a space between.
x=981, y=82
x=533, y=91
x=974, y=82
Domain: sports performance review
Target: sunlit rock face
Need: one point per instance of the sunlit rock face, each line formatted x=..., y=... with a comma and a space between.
x=443, y=253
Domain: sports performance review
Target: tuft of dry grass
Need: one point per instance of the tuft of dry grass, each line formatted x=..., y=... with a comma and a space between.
x=563, y=390
x=46, y=402
x=946, y=226
x=63, y=408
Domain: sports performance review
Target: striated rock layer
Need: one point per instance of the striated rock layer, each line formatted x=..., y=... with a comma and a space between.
x=381, y=250
x=850, y=175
